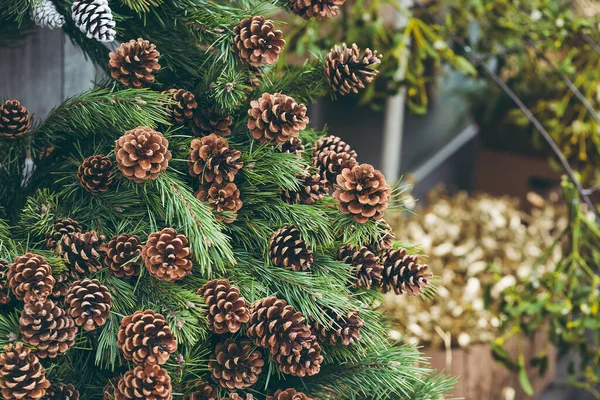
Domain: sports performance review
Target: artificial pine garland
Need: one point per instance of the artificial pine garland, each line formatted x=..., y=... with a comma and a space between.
x=181, y=213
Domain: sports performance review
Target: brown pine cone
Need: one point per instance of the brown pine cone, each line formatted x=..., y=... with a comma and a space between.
x=123, y=255
x=256, y=41
x=221, y=198
x=385, y=240
x=306, y=362
x=145, y=337
x=207, y=121
x=276, y=118
x=312, y=189
x=204, y=391
x=15, y=120
x=347, y=70
x=62, y=226
x=30, y=278
x=274, y=325
x=60, y=391
x=367, y=268
x=89, y=303
x=362, y=192
x=293, y=146
x=61, y=286
x=47, y=327
x=21, y=374
x=341, y=330
x=147, y=382
x=94, y=174
x=331, y=164
x=227, y=309
x=332, y=143
x=212, y=160
x=182, y=112
x=289, y=394
x=142, y=154
x=82, y=253
x=134, y=63
x=167, y=255
x=235, y=396
x=318, y=9
x=235, y=365
x=403, y=273
x=4, y=287
x=288, y=250
x=111, y=388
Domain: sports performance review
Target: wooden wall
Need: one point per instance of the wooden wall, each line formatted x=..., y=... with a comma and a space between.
x=42, y=70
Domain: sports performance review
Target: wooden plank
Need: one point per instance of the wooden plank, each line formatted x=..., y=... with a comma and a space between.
x=32, y=72
x=79, y=73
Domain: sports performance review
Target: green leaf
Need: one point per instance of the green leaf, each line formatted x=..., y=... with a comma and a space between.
x=523, y=378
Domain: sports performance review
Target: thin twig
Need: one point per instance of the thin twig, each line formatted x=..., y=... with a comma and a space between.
x=538, y=125
x=589, y=41
x=567, y=81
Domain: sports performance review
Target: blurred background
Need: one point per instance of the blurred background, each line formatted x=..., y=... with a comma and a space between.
x=516, y=256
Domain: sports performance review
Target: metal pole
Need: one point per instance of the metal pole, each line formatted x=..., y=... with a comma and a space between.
x=393, y=128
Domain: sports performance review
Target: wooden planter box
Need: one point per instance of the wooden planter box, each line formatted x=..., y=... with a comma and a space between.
x=480, y=377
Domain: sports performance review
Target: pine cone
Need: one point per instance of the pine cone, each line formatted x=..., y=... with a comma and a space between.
x=167, y=255
x=45, y=15
x=207, y=121
x=289, y=394
x=145, y=337
x=403, y=273
x=15, y=120
x=61, y=286
x=89, y=303
x=30, y=278
x=288, y=250
x=347, y=71
x=341, y=329
x=331, y=164
x=235, y=396
x=306, y=362
x=212, y=160
x=147, y=382
x=367, y=269
x=312, y=189
x=256, y=41
x=94, y=174
x=227, y=310
x=274, y=325
x=134, y=63
x=123, y=255
x=4, y=286
x=60, y=391
x=362, y=192
x=276, y=118
x=182, y=112
x=318, y=9
x=204, y=391
x=142, y=154
x=235, y=365
x=385, y=240
x=47, y=327
x=82, y=252
x=222, y=198
x=62, y=226
x=21, y=374
x=111, y=388
x=293, y=146
x=332, y=143
x=95, y=19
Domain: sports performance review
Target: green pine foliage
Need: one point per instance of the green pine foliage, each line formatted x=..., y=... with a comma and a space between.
x=195, y=40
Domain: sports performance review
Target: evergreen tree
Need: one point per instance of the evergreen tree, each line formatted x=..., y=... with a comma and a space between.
x=179, y=231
